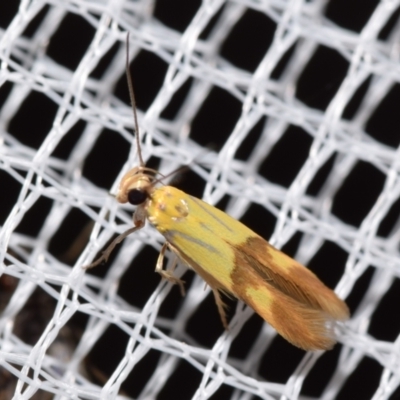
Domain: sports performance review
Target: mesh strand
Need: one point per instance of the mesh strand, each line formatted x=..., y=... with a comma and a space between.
x=286, y=118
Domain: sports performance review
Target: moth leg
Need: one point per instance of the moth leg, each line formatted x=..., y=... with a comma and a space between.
x=221, y=308
x=168, y=275
x=110, y=248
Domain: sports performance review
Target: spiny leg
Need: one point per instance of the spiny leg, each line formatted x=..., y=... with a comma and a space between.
x=168, y=275
x=110, y=248
x=221, y=307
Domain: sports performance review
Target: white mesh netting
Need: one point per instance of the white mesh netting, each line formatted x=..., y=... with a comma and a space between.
x=290, y=111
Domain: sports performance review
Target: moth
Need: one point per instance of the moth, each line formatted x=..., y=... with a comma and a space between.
x=230, y=257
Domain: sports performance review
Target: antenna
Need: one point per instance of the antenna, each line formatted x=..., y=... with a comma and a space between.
x=133, y=102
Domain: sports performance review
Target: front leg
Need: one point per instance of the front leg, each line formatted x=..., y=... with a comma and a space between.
x=139, y=223
x=168, y=275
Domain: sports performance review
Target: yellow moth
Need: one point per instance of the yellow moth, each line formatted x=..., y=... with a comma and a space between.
x=231, y=258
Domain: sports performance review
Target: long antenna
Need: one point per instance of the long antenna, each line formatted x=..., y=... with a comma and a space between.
x=133, y=102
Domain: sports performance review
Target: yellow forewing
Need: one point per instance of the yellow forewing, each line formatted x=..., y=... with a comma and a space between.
x=232, y=258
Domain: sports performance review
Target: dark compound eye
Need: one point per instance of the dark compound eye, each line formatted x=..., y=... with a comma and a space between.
x=136, y=197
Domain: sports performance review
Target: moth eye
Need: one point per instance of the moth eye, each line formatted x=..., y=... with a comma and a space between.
x=136, y=197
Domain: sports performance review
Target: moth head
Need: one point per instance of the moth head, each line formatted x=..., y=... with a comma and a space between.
x=135, y=186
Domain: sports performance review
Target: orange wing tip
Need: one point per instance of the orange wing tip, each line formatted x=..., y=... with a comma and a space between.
x=334, y=306
x=316, y=295
x=315, y=333
x=305, y=327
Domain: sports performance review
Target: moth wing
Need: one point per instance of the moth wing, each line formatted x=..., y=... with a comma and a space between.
x=232, y=258
x=299, y=310
x=291, y=278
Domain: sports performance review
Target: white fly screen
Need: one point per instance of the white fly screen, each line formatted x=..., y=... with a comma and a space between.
x=287, y=114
